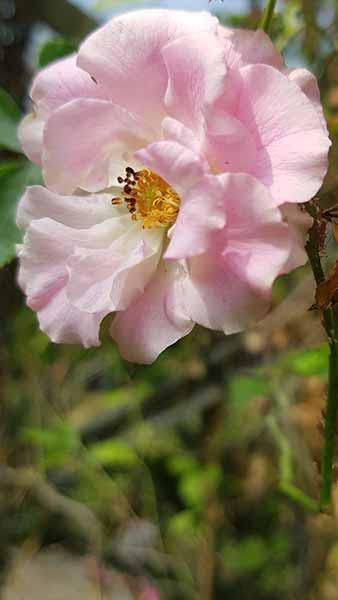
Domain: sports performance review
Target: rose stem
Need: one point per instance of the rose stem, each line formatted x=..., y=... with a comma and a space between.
x=267, y=15
x=330, y=417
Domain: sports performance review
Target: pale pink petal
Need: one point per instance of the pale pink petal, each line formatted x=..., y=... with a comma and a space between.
x=30, y=135
x=61, y=82
x=202, y=214
x=255, y=236
x=88, y=143
x=79, y=212
x=44, y=275
x=177, y=132
x=177, y=165
x=308, y=84
x=230, y=285
x=215, y=202
x=125, y=55
x=243, y=47
x=110, y=278
x=47, y=246
x=42, y=262
x=53, y=86
x=232, y=291
x=196, y=75
x=292, y=146
x=259, y=255
x=217, y=298
x=229, y=145
x=65, y=324
x=154, y=321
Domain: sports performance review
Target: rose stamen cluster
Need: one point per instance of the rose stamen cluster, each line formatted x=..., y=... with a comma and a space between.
x=205, y=218
x=148, y=198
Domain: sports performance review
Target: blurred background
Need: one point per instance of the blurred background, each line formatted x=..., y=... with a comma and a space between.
x=171, y=481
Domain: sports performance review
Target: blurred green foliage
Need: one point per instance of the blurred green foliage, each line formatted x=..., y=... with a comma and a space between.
x=55, y=48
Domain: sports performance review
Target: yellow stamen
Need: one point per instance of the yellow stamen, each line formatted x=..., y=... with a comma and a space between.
x=149, y=198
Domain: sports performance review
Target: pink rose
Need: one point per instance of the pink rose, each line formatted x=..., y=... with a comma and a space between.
x=168, y=146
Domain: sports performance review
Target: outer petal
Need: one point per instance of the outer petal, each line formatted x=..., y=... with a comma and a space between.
x=43, y=277
x=125, y=55
x=243, y=47
x=292, y=146
x=196, y=74
x=61, y=82
x=30, y=134
x=47, y=246
x=217, y=298
x=154, y=321
x=65, y=324
x=78, y=212
x=90, y=156
x=308, y=84
x=54, y=86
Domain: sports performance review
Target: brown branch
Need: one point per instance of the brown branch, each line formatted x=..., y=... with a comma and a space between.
x=28, y=481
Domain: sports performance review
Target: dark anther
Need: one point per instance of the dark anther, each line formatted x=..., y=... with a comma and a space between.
x=127, y=189
x=130, y=170
x=120, y=179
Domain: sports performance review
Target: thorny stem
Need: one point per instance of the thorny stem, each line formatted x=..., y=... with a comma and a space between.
x=330, y=419
x=267, y=15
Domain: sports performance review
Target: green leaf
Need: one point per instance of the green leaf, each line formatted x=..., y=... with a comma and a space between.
x=114, y=453
x=14, y=178
x=195, y=486
x=309, y=362
x=57, y=444
x=243, y=388
x=54, y=49
x=9, y=118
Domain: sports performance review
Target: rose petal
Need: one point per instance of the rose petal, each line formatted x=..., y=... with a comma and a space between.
x=308, y=84
x=65, y=324
x=244, y=47
x=155, y=320
x=292, y=146
x=201, y=215
x=30, y=135
x=90, y=157
x=179, y=166
x=125, y=55
x=190, y=61
x=110, y=278
x=79, y=212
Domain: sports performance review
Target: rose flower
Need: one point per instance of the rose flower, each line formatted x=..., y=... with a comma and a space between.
x=173, y=152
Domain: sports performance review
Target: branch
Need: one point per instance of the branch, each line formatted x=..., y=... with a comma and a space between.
x=75, y=512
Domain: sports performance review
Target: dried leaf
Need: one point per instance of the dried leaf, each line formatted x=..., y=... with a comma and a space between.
x=335, y=230
x=327, y=291
x=331, y=214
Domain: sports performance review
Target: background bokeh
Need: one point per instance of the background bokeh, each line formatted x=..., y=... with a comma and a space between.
x=173, y=480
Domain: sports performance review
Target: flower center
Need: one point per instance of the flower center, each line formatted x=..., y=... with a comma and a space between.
x=149, y=198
